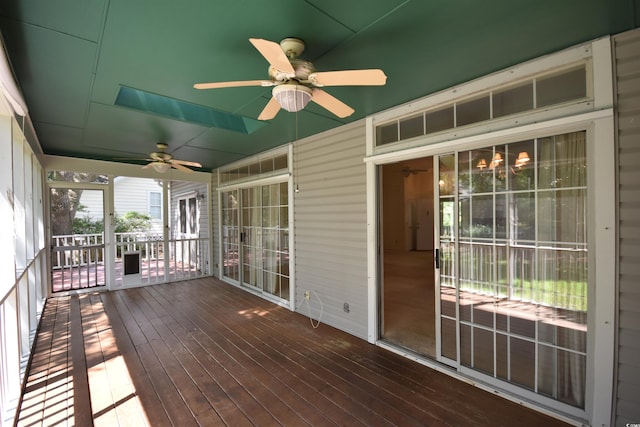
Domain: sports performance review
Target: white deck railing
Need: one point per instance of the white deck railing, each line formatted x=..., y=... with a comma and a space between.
x=78, y=259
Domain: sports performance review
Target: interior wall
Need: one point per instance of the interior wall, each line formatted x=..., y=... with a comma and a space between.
x=418, y=203
x=393, y=207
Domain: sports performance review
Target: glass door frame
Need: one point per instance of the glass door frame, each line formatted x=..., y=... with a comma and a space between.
x=239, y=187
x=107, y=239
x=437, y=223
x=599, y=128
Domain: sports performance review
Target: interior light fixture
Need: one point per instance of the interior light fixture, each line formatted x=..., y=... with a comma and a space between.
x=482, y=163
x=160, y=167
x=292, y=97
x=495, y=162
x=523, y=159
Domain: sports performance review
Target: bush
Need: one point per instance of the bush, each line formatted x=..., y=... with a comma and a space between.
x=128, y=223
x=132, y=221
x=86, y=225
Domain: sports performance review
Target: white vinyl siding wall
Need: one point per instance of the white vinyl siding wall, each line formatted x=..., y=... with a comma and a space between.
x=330, y=217
x=627, y=60
x=183, y=189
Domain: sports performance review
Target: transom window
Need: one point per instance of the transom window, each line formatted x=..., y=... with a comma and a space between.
x=265, y=166
x=568, y=85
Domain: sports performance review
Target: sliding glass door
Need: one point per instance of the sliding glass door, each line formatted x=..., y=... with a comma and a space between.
x=512, y=258
x=255, y=238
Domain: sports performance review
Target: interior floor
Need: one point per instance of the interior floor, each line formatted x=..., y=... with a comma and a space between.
x=409, y=301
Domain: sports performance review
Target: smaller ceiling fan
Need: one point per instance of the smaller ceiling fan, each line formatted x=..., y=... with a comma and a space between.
x=161, y=161
x=408, y=171
x=296, y=81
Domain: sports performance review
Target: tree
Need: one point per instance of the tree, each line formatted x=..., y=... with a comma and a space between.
x=66, y=201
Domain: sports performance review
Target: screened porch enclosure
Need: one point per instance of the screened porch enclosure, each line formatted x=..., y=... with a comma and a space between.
x=151, y=235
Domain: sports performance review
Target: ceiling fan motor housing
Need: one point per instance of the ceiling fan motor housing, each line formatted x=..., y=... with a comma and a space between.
x=292, y=47
x=301, y=67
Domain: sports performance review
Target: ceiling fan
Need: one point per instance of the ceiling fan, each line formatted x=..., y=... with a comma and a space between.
x=296, y=82
x=161, y=161
x=408, y=171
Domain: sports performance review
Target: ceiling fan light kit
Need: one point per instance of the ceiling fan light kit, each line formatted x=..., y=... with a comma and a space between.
x=292, y=97
x=296, y=82
x=160, y=167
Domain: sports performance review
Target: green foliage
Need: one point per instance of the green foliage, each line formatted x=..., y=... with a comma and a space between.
x=131, y=222
x=85, y=225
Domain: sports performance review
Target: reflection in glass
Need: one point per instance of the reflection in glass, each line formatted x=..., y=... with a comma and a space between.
x=519, y=214
x=513, y=100
x=473, y=111
x=230, y=235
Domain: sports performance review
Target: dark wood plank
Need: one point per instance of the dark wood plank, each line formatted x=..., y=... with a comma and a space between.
x=82, y=410
x=225, y=373
x=202, y=352
x=286, y=406
x=33, y=398
x=151, y=403
x=170, y=396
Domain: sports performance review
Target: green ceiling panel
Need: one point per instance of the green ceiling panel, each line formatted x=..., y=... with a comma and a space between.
x=357, y=14
x=81, y=19
x=71, y=58
x=128, y=133
x=57, y=69
x=62, y=140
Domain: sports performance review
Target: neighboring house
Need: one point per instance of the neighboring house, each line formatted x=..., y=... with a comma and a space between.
x=140, y=195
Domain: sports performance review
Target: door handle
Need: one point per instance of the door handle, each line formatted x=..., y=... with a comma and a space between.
x=437, y=258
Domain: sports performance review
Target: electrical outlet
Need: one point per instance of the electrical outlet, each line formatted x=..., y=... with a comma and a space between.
x=307, y=295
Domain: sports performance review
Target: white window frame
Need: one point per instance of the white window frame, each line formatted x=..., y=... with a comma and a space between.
x=596, y=117
x=150, y=205
x=186, y=197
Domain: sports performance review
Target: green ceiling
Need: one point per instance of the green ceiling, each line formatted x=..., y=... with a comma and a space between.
x=72, y=57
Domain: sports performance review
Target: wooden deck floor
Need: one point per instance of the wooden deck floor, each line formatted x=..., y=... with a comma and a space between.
x=204, y=353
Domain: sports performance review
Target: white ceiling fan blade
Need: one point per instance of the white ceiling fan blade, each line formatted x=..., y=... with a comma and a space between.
x=331, y=103
x=273, y=53
x=373, y=77
x=270, y=110
x=148, y=165
x=218, y=85
x=185, y=163
x=180, y=167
